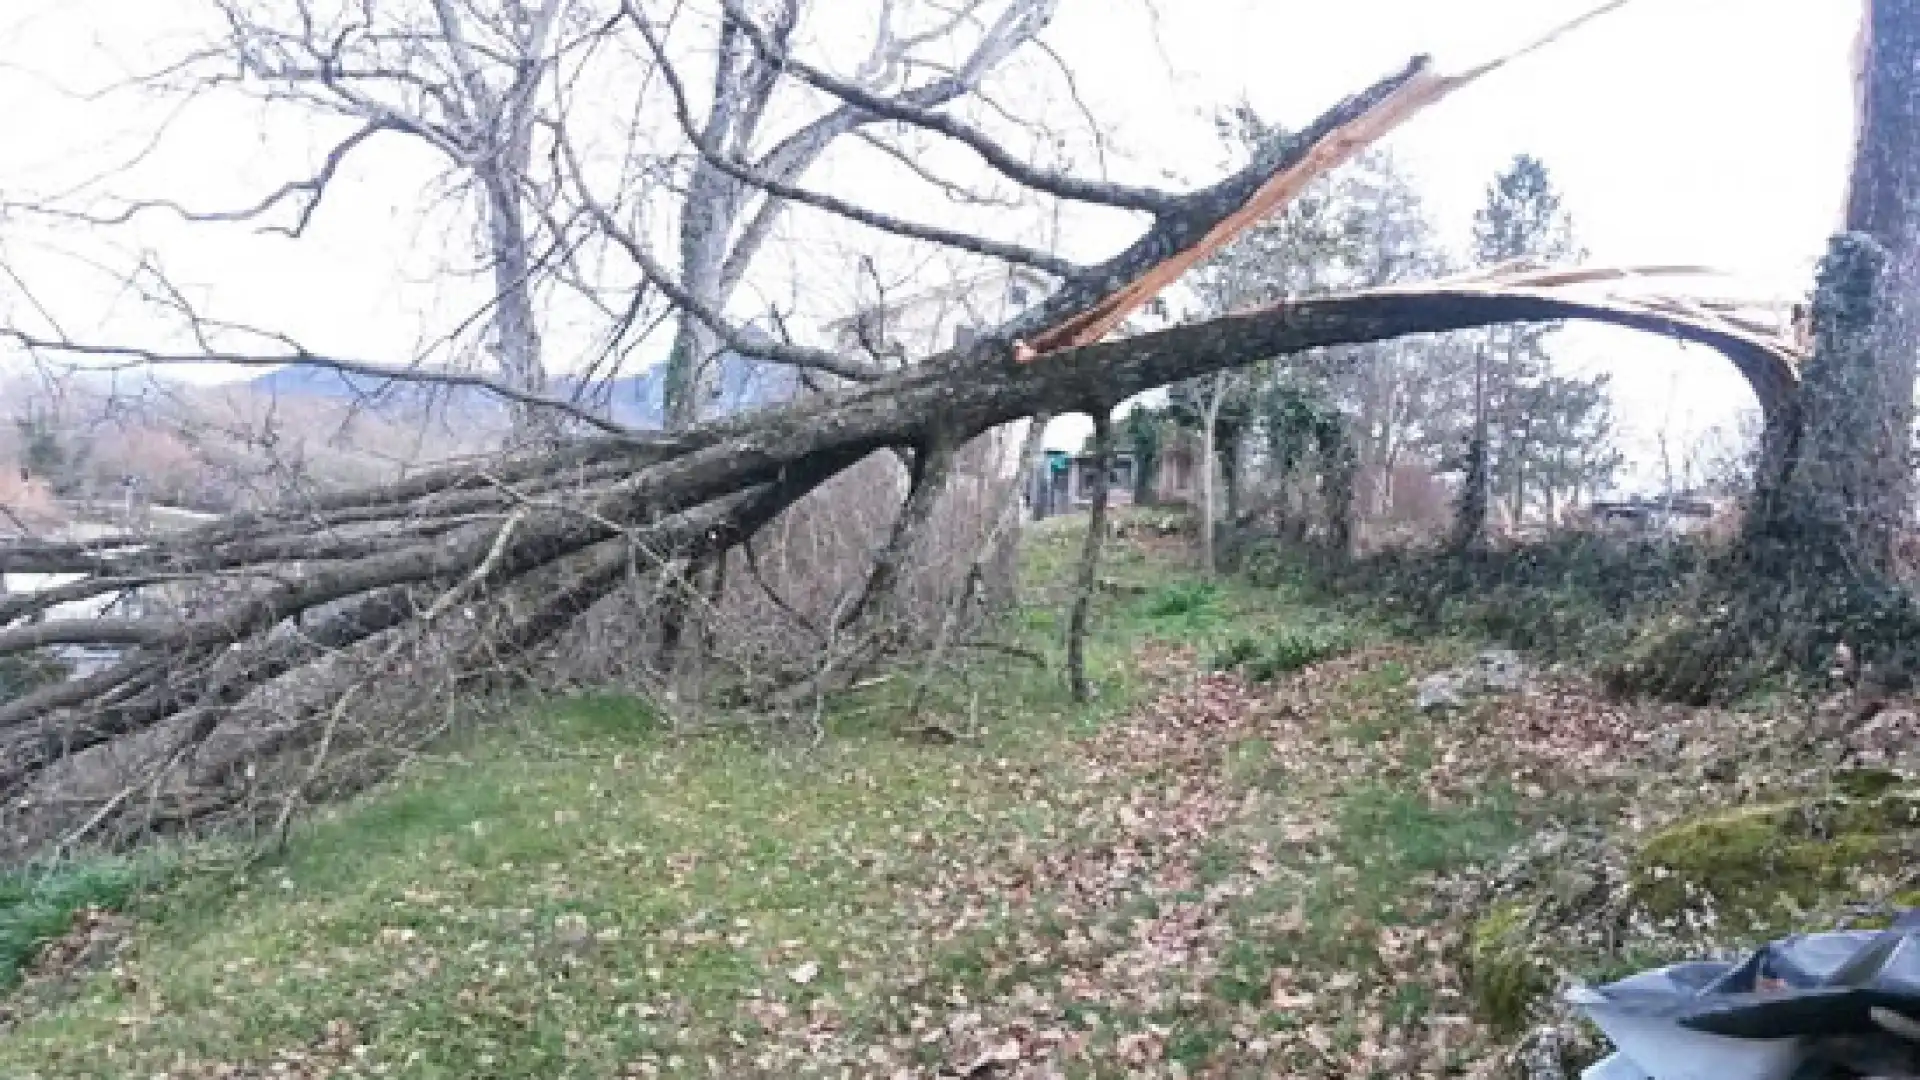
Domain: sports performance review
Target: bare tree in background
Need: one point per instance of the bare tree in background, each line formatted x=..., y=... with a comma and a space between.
x=467, y=79
x=1218, y=388
x=731, y=208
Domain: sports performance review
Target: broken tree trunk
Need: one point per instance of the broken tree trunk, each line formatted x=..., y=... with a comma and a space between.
x=523, y=543
x=1836, y=484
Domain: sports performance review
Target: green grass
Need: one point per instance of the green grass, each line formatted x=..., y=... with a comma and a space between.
x=38, y=904
x=590, y=890
x=471, y=919
x=1388, y=842
x=1284, y=650
x=1396, y=832
x=603, y=892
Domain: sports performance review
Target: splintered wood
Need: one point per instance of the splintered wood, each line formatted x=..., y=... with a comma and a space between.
x=1763, y=325
x=1419, y=88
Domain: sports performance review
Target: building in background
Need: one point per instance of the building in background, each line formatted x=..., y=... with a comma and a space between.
x=1677, y=514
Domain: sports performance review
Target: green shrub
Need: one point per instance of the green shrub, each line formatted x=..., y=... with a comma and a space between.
x=1236, y=653
x=1184, y=600
x=1286, y=651
x=1186, y=609
x=1504, y=978
x=37, y=904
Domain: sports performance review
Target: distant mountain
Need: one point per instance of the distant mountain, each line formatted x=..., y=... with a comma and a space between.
x=636, y=401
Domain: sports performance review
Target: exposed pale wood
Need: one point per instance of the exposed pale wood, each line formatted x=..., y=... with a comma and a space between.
x=1420, y=88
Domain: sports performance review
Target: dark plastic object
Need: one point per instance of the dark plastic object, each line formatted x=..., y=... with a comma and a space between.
x=1819, y=985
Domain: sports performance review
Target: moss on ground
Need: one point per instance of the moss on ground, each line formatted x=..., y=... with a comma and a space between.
x=1504, y=972
x=1788, y=855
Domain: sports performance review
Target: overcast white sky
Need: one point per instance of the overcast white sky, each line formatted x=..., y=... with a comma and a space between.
x=1699, y=131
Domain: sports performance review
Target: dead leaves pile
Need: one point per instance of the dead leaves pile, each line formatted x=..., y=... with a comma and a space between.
x=1105, y=947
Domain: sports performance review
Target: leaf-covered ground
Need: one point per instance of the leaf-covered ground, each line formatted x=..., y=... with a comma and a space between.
x=1198, y=875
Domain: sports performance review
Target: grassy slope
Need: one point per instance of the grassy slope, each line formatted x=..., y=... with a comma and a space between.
x=1189, y=870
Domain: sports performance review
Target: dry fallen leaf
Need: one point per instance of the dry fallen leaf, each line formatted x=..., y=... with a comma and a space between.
x=1283, y=999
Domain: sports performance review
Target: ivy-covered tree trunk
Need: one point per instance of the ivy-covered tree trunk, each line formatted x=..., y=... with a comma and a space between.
x=1470, y=515
x=1837, y=498
x=1145, y=438
x=1341, y=470
x=1837, y=486
x=1230, y=452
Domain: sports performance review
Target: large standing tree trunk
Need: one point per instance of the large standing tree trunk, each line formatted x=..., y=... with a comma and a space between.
x=1838, y=490
x=692, y=370
x=515, y=324
x=1340, y=466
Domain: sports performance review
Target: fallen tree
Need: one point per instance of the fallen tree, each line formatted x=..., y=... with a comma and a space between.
x=464, y=572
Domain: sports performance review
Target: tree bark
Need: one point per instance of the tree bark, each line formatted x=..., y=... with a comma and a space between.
x=1231, y=462
x=992, y=566
x=927, y=481
x=1088, y=580
x=1838, y=504
x=516, y=327
x=1209, y=498
x=1342, y=466
x=1836, y=487
x=1470, y=520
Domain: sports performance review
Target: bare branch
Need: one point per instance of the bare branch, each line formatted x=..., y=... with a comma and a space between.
x=1105, y=193
x=307, y=193
x=299, y=355
x=660, y=278
x=746, y=174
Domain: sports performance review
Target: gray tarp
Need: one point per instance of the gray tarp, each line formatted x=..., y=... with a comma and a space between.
x=1812, y=1005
